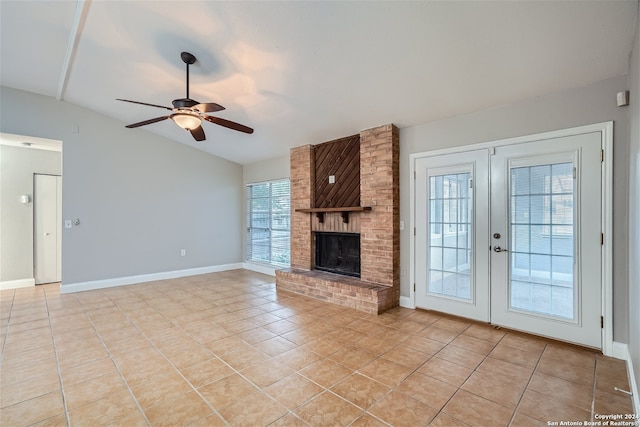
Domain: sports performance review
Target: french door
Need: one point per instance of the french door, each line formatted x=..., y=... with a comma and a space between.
x=512, y=235
x=452, y=261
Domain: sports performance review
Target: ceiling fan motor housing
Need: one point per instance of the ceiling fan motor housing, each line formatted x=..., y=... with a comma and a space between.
x=184, y=103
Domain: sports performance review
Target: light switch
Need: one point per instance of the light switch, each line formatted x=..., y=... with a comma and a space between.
x=622, y=98
x=68, y=223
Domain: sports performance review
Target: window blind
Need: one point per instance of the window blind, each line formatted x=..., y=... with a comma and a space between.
x=269, y=222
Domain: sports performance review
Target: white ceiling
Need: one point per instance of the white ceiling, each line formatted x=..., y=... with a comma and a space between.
x=307, y=72
x=30, y=142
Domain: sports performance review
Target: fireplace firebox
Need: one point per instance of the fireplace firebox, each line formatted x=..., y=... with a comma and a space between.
x=338, y=253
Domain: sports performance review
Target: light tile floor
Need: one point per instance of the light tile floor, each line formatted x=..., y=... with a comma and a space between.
x=227, y=349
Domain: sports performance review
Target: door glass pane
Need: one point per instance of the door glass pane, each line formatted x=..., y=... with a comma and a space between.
x=541, y=230
x=449, y=240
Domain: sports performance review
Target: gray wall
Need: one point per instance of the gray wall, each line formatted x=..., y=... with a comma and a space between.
x=582, y=106
x=587, y=105
x=634, y=207
x=17, y=166
x=140, y=198
x=267, y=170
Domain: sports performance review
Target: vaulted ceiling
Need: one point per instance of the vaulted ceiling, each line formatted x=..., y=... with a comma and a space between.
x=307, y=72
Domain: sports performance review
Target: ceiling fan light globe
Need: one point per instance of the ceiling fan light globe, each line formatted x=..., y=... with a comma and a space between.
x=186, y=121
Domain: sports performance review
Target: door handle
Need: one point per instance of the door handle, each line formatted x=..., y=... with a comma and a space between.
x=499, y=249
x=46, y=234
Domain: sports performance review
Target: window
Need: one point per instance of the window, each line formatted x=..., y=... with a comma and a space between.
x=269, y=222
x=450, y=202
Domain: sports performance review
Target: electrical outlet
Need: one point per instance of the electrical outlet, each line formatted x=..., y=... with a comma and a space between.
x=183, y=252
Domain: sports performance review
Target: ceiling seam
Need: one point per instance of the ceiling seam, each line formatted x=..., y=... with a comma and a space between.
x=82, y=7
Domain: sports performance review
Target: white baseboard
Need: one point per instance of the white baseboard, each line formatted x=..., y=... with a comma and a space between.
x=142, y=278
x=406, y=302
x=17, y=284
x=259, y=268
x=621, y=351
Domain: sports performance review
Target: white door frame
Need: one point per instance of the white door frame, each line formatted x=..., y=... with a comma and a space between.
x=606, y=130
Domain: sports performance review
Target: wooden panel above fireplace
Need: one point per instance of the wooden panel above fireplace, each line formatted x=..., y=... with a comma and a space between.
x=341, y=159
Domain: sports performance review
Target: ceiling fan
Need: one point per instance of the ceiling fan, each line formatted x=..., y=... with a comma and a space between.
x=188, y=113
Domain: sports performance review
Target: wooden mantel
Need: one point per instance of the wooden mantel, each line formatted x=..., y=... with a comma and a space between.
x=344, y=211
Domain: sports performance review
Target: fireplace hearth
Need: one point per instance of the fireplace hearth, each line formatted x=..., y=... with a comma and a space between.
x=338, y=253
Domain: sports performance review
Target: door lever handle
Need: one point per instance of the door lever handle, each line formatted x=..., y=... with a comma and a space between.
x=499, y=249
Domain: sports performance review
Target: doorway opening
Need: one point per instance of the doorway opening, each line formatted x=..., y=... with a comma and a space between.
x=22, y=159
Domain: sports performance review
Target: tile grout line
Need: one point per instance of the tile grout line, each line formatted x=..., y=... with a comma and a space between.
x=395, y=387
x=476, y=370
x=174, y=366
x=298, y=372
x=106, y=347
x=434, y=355
x=535, y=368
x=55, y=349
x=466, y=379
x=6, y=335
x=215, y=411
x=236, y=372
x=262, y=389
x=303, y=323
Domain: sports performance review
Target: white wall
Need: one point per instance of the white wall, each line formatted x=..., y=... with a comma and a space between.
x=140, y=198
x=17, y=166
x=634, y=208
x=587, y=105
x=267, y=170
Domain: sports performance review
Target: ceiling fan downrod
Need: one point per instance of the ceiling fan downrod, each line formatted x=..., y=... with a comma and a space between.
x=188, y=59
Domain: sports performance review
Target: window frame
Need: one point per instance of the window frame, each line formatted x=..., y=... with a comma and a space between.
x=275, y=250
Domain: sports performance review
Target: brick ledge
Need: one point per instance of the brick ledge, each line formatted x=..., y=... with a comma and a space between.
x=347, y=291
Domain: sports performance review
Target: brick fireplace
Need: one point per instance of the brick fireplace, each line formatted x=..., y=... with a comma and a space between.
x=319, y=205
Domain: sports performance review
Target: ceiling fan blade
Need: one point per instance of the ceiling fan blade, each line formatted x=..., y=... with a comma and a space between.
x=228, y=124
x=208, y=107
x=147, y=122
x=198, y=133
x=144, y=103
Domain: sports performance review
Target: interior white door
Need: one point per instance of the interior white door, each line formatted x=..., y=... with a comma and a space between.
x=451, y=257
x=47, y=225
x=546, y=225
